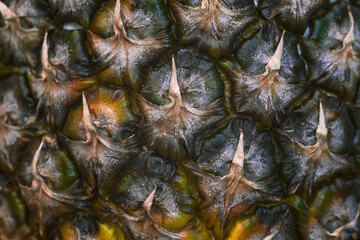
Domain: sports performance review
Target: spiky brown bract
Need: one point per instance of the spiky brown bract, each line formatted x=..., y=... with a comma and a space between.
x=179, y=119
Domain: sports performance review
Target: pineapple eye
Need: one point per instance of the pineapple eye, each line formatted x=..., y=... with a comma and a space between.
x=266, y=97
x=254, y=54
x=266, y=223
x=322, y=142
x=336, y=71
x=199, y=81
x=215, y=152
x=292, y=15
x=332, y=206
x=330, y=30
x=111, y=114
x=208, y=29
x=18, y=41
x=69, y=54
x=180, y=117
x=170, y=180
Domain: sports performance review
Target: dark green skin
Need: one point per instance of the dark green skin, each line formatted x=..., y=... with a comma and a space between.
x=124, y=120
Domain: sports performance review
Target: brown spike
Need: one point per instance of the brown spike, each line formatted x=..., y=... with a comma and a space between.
x=174, y=90
x=6, y=12
x=321, y=130
x=118, y=22
x=36, y=159
x=238, y=159
x=44, y=57
x=275, y=61
x=350, y=35
x=149, y=201
x=86, y=117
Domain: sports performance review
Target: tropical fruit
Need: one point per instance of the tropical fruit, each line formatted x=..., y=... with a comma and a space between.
x=179, y=119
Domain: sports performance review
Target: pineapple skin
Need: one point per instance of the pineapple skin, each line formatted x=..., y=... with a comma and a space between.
x=179, y=119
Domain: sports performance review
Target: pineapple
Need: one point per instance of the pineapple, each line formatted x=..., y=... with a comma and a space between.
x=179, y=119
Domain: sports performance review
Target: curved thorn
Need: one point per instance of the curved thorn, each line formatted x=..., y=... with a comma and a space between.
x=147, y=206
x=122, y=214
x=61, y=196
x=272, y=235
x=36, y=159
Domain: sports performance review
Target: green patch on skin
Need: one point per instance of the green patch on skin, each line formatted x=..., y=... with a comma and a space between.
x=17, y=204
x=68, y=170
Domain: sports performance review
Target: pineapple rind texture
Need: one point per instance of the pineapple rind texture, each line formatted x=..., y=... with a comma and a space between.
x=179, y=119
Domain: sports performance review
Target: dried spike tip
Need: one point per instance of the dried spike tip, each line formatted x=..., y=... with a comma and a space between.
x=275, y=61
x=237, y=164
x=174, y=90
x=147, y=206
x=6, y=12
x=272, y=235
x=350, y=35
x=118, y=23
x=321, y=130
x=348, y=225
x=36, y=159
x=149, y=201
x=44, y=56
x=86, y=117
x=204, y=4
x=239, y=154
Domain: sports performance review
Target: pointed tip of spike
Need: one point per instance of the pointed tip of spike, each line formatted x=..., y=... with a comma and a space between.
x=118, y=24
x=350, y=35
x=86, y=116
x=44, y=53
x=275, y=61
x=174, y=90
x=321, y=130
x=117, y=17
x=6, y=12
x=238, y=159
x=149, y=200
x=237, y=164
x=44, y=45
x=36, y=159
x=272, y=235
x=204, y=4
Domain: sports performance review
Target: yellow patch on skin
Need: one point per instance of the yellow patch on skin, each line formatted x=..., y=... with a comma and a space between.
x=173, y=222
x=109, y=232
x=67, y=232
x=246, y=228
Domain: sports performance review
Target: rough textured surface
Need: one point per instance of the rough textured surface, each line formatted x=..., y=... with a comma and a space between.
x=179, y=119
